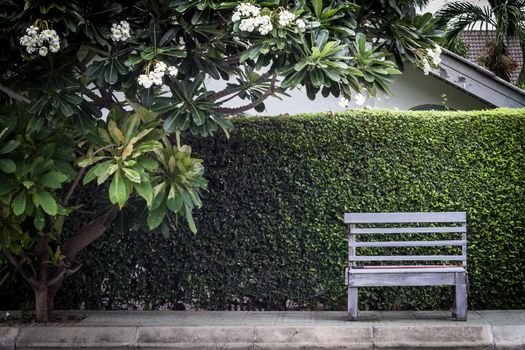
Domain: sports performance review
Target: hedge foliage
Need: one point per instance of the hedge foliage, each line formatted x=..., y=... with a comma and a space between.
x=271, y=234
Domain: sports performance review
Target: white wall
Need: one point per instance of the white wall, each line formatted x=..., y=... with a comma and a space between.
x=409, y=90
x=434, y=5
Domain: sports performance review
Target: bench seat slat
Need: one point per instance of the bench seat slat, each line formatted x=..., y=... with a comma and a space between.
x=409, y=244
x=401, y=279
x=390, y=269
x=386, y=218
x=408, y=258
x=408, y=230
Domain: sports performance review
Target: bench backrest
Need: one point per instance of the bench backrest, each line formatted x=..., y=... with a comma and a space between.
x=398, y=223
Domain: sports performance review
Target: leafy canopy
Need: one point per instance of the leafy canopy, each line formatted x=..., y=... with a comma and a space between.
x=105, y=90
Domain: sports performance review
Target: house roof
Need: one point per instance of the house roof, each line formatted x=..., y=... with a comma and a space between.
x=478, y=81
x=476, y=40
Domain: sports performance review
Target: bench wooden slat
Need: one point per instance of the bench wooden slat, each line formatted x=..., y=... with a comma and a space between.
x=410, y=244
x=389, y=218
x=407, y=258
x=409, y=230
x=407, y=270
x=401, y=279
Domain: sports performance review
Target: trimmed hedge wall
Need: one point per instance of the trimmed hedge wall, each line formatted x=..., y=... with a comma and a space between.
x=271, y=234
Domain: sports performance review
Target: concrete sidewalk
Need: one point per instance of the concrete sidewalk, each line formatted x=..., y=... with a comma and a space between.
x=501, y=329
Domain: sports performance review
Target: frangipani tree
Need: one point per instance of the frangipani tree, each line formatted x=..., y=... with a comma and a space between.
x=104, y=91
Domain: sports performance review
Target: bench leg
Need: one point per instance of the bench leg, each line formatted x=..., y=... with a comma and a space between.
x=352, y=303
x=453, y=301
x=461, y=298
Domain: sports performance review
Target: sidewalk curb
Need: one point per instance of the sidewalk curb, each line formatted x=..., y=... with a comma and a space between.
x=264, y=337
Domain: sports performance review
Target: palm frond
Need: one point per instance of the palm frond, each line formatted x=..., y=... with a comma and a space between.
x=458, y=16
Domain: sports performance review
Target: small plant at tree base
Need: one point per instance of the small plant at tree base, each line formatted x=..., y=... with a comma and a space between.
x=148, y=63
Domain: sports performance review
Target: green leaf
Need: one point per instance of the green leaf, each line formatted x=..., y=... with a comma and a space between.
x=159, y=192
x=318, y=7
x=19, y=204
x=156, y=216
x=132, y=175
x=145, y=190
x=47, y=202
x=174, y=201
x=5, y=187
x=111, y=74
x=118, y=193
x=191, y=223
x=115, y=132
x=7, y=166
x=9, y=146
x=148, y=163
x=53, y=179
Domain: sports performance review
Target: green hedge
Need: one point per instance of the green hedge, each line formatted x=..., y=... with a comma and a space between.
x=271, y=234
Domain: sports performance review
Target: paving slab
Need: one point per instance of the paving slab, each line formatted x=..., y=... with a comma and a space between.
x=195, y=337
x=509, y=337
x=8, y=337
x=76, y=338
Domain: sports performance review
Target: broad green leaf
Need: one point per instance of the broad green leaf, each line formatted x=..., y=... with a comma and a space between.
x=174, y=201
x=7, y=166
x=87, y=161
x=115, y=132
x=47, y=202
x=318, y=7
x=191, y=223
x=148, y=163
x=118, y=193
x=53, y=179
x=9, y=146
x=156, y=216
x=159, y=193
x=145, y=190
x=132, y=175
x=19, y=204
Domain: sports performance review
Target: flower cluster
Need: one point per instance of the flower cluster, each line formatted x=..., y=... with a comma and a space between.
x=155, y=76
x=359, y=99
x=40, y=41
x=120, y=31
x=251, y=19
x=432, y=59
x=286, y=18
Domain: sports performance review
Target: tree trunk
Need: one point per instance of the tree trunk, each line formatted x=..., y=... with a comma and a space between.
x=51, y=293
x=41, y=306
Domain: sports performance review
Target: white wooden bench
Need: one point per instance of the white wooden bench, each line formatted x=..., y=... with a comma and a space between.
x=388, y=273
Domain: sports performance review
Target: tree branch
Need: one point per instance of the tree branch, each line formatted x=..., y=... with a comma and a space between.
x=64, y=272
x=73, y=186
x=257, y=102
x=13, y=94
x=18, y=266
x=89, y=233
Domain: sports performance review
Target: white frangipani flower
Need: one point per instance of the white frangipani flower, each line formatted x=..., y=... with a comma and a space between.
x=155, y=76
x=301, y=25
x=426, y=66
x=42, y=51
x=247, y=25
x=286, y=18
x=236, y=17
x=40, y=41
x=343, y=102
x=359, y=99
x=246, y=10
x=145, y=81
x=173, y=71
x=120, y=31
x=264, y=23
x=160, y=67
